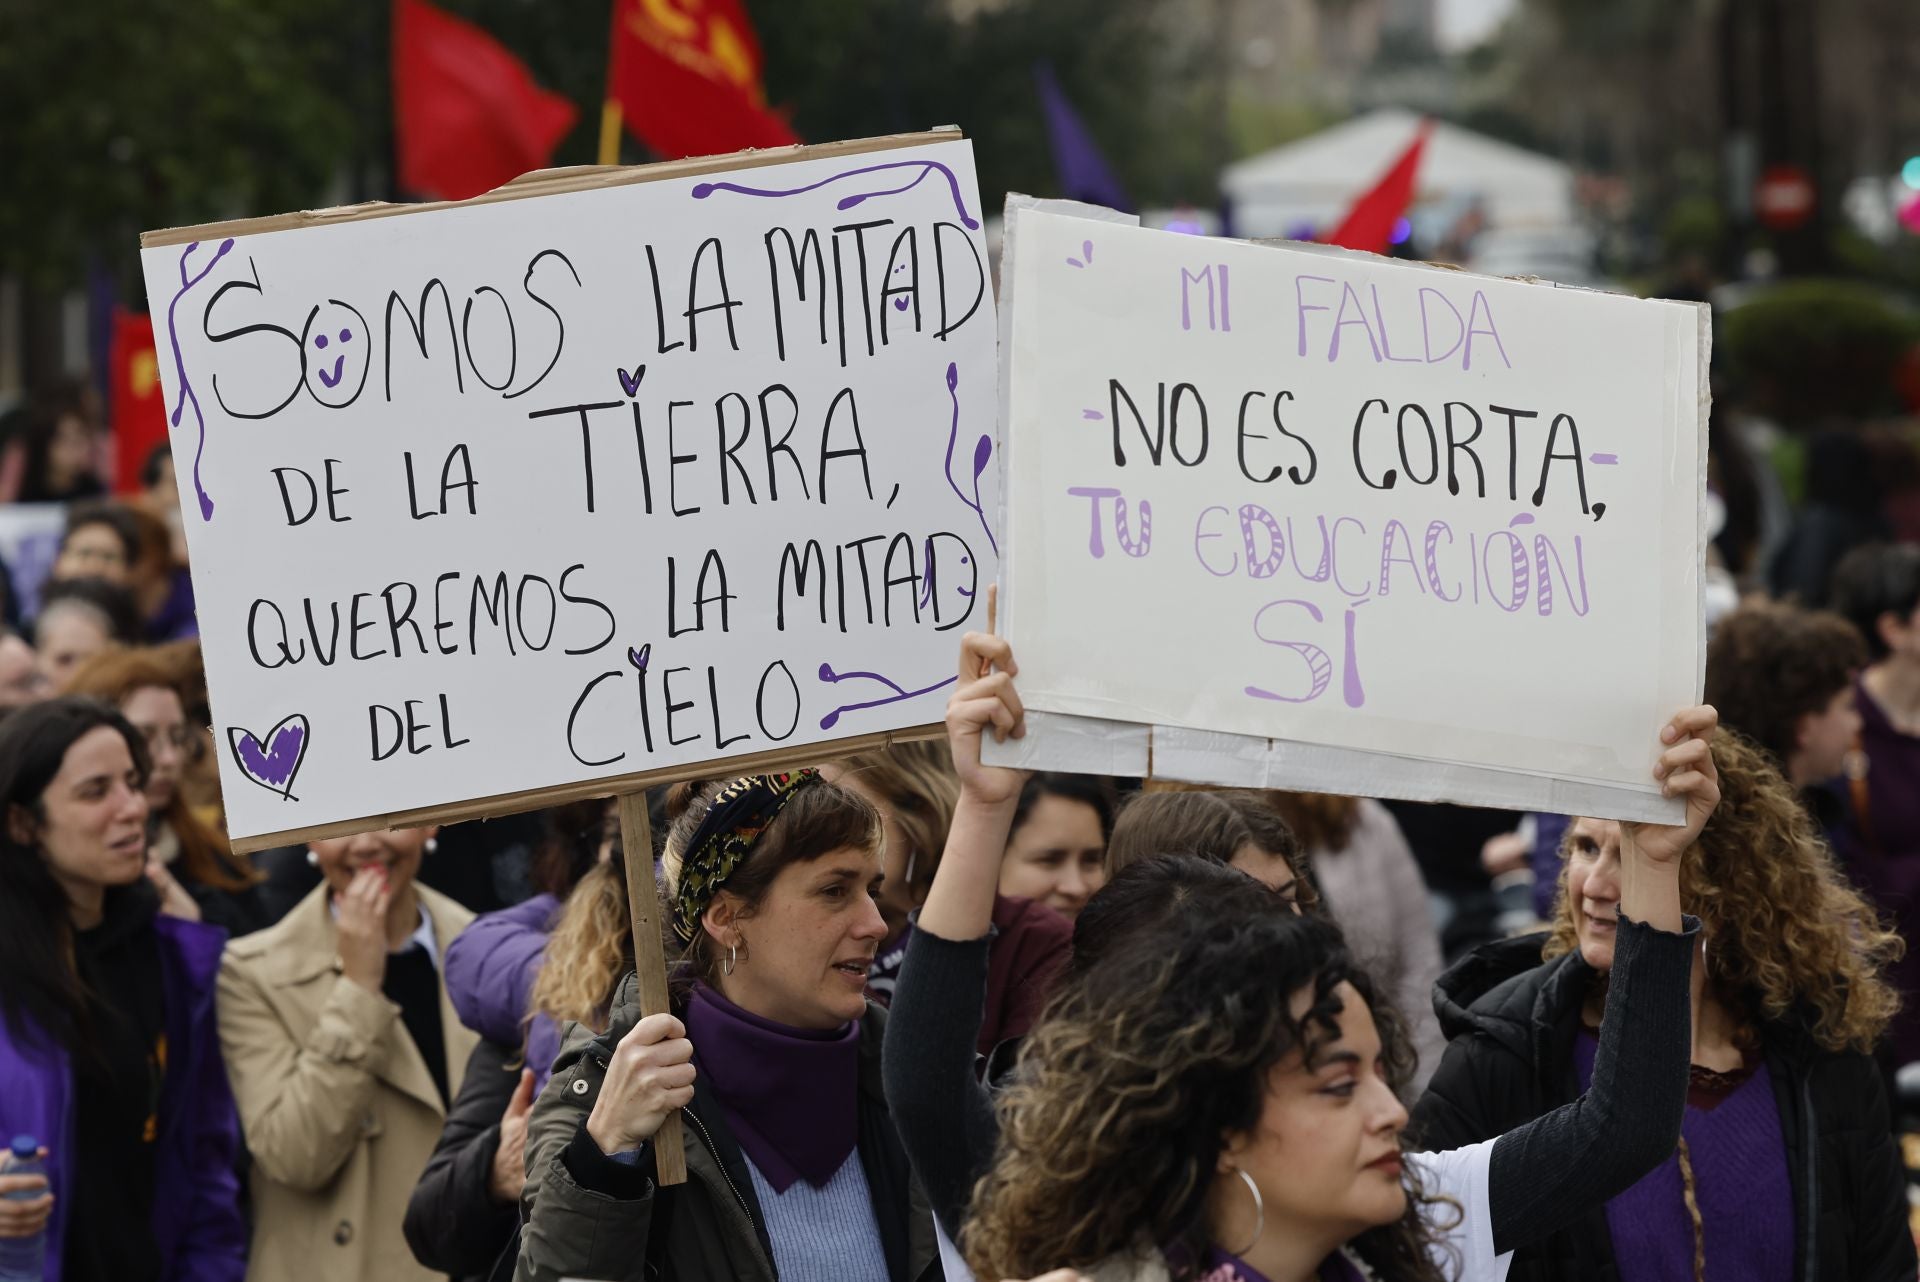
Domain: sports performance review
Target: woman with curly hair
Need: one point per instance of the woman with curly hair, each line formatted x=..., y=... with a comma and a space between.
x=1786, y=1167
x=1212, y=1094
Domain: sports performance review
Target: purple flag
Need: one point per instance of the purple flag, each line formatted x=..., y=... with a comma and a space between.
x=1077, y=162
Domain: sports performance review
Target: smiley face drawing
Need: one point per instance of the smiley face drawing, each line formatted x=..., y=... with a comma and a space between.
x=335, y=350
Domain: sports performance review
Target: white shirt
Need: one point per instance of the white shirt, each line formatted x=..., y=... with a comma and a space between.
x=1465, y=1252
x=422, y=936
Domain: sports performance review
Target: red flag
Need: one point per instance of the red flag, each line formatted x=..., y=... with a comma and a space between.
x=1369, y=224
x=686, y=75
x=467, y=114
x=134, y=402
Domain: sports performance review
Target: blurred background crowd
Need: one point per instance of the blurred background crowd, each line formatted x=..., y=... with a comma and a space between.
x=1762, y=156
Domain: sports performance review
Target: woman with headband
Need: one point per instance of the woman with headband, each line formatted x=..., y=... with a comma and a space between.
x=771, y=1054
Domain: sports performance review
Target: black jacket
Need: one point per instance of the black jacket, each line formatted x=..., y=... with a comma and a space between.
x=452, y=1223
x=589, y=1216
x=1511, y=1021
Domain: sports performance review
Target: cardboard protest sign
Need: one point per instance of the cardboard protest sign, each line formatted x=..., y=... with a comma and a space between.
x=593, y=480
x=1280, y=516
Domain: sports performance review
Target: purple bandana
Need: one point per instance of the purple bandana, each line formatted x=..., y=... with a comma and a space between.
x=1223, y=1267
x=790, y=1094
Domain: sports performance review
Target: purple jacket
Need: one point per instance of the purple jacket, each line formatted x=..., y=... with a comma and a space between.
x=490, y=973
x=196, y=1196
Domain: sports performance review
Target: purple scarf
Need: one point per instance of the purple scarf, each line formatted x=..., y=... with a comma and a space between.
x=1223, y=1267
x=790, y=1094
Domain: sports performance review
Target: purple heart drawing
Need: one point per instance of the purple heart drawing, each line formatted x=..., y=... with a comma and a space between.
x=630, y=383
x=273, y=765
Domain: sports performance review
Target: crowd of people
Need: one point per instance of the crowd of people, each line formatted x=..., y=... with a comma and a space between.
x=930, y=1017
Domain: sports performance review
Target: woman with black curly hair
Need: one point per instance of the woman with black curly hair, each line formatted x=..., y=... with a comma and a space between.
x=1786, y=1168
x=1216, y=1092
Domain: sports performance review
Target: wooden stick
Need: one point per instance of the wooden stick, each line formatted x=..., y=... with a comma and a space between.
x=649, y=960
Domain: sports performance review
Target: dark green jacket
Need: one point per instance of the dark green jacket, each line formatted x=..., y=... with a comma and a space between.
x=709, y=1228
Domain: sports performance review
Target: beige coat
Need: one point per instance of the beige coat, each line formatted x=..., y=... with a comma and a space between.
x=338, y=1107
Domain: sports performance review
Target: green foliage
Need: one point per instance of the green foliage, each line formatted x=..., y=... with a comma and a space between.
x=1812, y=350
x=1694, y=225
x=126, y=115
x=123, y=116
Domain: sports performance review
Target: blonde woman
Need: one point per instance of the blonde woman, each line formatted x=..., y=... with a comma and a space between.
x=1786, y=1169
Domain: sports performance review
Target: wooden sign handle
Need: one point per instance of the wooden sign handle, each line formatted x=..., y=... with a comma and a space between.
x=649, y=960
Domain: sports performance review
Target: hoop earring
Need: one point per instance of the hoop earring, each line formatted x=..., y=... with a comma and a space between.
x=733, y=959
x=1259, y=1212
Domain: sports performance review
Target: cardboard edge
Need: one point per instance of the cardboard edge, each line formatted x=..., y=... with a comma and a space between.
x=550, y=182
x=1096, y=745
x=513, y=803
x=1703, y=403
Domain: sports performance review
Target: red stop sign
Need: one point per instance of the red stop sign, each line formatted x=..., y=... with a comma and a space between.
x=1784, y=198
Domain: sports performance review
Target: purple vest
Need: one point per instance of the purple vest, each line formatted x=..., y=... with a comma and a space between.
x=1741, y=1182
x=196, y=1199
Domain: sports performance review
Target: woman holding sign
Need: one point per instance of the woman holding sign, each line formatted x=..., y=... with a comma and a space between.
x=1786, y=1166
x=1216, y=1097
x=771, y=1055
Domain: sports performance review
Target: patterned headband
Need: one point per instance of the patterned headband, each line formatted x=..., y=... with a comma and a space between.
x=734, y=822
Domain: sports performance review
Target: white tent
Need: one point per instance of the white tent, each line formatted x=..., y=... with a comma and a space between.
x=1314, y=180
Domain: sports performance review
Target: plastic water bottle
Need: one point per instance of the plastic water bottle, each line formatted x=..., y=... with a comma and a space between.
x=24, y=1259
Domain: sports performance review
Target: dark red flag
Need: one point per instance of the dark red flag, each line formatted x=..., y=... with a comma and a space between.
x=134, y=402
x=467, y=114
x=1369, y=224
x=685, y=75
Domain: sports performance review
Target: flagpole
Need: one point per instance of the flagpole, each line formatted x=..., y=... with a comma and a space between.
x=609, y=104
x=610, y=132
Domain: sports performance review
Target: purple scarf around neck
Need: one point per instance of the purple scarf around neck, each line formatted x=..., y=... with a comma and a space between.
x=790, y=1094
x=1222, y=1266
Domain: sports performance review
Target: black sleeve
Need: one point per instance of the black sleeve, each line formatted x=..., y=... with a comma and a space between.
x=598, y=1172
x=1559, y=1167
x=941, y=1111
x=452, y=1222
x=1880, y=1242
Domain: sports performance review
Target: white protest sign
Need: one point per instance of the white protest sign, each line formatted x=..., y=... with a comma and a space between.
x=1286, y=517
x=598, y=478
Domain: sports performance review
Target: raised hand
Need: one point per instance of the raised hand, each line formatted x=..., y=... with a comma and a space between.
x=361, y=923
x=985, y=697
x=174, y=899
x=1684, y=770
x=649, y=1078
x=509, y=1172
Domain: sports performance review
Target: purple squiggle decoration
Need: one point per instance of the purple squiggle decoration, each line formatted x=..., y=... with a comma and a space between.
x=187, y=395
x=703, y=190
x=982, y=452
x=900, y=693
